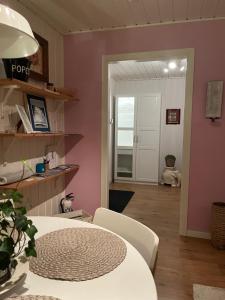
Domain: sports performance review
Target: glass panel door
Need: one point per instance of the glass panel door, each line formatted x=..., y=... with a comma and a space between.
x=124, y=137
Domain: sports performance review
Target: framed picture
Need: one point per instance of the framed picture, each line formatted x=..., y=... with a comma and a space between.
x=39, y=61
x=173, y=116
x=38, y=113
x=24, y=118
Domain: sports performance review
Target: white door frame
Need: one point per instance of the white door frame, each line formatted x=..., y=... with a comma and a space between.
x=148, y=56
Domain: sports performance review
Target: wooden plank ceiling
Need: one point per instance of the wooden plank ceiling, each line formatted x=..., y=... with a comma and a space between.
x=145, y=70
x=91, y=15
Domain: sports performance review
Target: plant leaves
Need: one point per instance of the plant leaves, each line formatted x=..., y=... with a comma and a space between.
x=6, y=207
x=30, y=251
x=4, y=260
x=29, y=222
x=13, y=219
x=15, y=196
x=20, y=210
x=30, y=231
x=4, y=224
x=7, y=245
x=21, y=223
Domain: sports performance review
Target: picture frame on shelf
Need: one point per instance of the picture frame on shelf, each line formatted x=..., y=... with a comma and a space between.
x=24, y=118
x=173, y=116
x=38, y=113
x=39, y=68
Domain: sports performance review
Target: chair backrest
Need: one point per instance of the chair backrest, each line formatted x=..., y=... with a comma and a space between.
x=140, y=236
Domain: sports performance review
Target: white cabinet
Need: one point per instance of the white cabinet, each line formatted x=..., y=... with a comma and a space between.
x=137, y=132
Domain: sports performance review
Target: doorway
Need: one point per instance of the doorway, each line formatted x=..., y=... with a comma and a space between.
x=187, y=54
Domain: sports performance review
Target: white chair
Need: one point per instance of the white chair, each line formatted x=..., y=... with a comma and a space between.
x=136, y=233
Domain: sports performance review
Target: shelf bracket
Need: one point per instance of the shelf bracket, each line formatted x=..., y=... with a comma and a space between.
x=6, y=93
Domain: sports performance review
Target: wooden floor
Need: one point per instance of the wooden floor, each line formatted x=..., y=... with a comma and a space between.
x=182, y=261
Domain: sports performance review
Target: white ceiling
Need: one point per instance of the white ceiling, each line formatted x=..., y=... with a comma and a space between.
x=90, y=15
x=133, y=70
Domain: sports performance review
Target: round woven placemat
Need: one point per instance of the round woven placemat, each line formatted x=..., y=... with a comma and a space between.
x=32, y=297
x=77, y=254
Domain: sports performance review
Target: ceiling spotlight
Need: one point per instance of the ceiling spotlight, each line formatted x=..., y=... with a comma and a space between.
x=165, y=70
x=172, y=65
x=182, y=69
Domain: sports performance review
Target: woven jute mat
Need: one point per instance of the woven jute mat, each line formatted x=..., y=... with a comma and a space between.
x=32, y=297
x=77, y=254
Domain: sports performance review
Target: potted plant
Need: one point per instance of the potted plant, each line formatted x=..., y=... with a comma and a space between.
x=16, y=233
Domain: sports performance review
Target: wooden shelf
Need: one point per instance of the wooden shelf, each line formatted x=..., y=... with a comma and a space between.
x=34, y=89
x=39, y=134
x=36, y=180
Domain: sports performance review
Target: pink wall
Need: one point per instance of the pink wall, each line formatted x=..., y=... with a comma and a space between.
x=83, y=54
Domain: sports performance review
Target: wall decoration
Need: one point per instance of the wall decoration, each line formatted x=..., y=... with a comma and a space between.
x=24, y=118
x=38, y=113
x=39, y=61
x=173, y=116
x=214, y=99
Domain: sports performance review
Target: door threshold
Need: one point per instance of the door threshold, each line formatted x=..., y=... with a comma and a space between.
x=136, y=182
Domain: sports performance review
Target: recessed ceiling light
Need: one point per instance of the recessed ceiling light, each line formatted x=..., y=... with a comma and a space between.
x=182, y=69
x=172, y=65
x=165, y=70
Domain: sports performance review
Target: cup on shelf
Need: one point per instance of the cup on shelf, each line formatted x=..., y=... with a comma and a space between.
x=40, y=168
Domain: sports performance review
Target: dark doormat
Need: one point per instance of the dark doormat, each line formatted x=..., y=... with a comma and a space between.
x=118, y=200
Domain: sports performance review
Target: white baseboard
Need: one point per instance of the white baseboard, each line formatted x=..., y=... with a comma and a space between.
x=199, y=234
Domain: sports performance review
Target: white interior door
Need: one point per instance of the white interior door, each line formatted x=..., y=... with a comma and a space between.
x=147, y=137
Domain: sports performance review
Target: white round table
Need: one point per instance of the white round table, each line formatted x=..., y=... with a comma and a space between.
x=131, y=280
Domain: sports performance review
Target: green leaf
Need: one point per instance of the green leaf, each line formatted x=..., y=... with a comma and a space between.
x=4, y=224
x=29, y=222
x=30, y=231
x=31, y=243
x=6, y=207
x=7, y=245
x=16, y=196
x=4, y=260
x=30, y=251
x=21, y=223
x=20, y=210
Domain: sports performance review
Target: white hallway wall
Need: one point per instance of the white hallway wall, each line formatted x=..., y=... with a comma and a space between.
x=172, y=92
x=42, y=199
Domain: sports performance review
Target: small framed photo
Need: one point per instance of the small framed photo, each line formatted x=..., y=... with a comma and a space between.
x=173, y=116
x=38, y=113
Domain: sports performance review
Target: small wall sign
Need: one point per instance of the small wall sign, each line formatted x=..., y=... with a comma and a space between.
x=18, y=68
x=173, y=116
x=214, y=99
